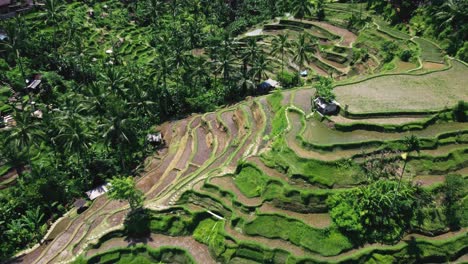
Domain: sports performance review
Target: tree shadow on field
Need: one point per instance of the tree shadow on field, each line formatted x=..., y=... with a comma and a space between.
x=137, y=227
x=413, y=249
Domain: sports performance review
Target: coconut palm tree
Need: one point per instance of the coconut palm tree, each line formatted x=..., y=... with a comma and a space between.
x=15, y=41
x=301, y=49
x=225, y=62
x=452, y=12
x=280, y=46
x=26, y=132
x=302, y=8
x=251, y=51
x=74, y=136
x=260, y=67
x=53, y=14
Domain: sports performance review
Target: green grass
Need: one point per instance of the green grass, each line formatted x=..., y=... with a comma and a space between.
x=250, y=181
x=429, y=51
x=390, y=31
x=312, y=171
x=140, y=255
x=326, y=242
x=439, y=165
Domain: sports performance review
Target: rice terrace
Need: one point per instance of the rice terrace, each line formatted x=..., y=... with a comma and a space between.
x=252, y=131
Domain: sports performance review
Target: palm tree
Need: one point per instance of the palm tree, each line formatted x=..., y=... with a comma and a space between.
x=452, y=12
x=251, y=52
x=280, y=45
x=74, y=135
x=53, y=14
x=114, y=79
x=32, y=220
x=15, y=41
x=26, y=132
x=302, y=8
x=260, y=67
x=225, y=62
x=301, y=50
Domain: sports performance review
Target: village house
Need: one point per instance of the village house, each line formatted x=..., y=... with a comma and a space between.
x=326, y=108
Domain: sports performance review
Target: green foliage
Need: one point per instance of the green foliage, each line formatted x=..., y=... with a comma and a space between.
x=459, y=111
x=288, y=79
x=462, y=53
x=123, y=188
x=380, y=211
x=406, y=55
x=140, y=255
x=389, y=49
x=250, y=181
x=209, y=232
x=455, y=189
x=323, y=241
x=324, y=88
x=137, y=223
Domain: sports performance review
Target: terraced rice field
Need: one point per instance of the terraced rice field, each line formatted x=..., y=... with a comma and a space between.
x=261, y=197
x=201, y=152
x=406, y=93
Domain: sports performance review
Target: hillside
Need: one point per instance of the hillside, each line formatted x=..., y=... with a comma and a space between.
x=245, y=177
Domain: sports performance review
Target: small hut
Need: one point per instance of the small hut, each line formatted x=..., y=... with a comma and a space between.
x=98, y=191
x=155, y=139
x=34, y=83
x=267, y=86
x=326, y=108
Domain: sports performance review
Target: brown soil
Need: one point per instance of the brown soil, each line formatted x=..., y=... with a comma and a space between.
x=348, y=37
x=117, y=218
x=428, y=180
x=286, y=98
x=151, y=178
x=228, y=119
x=191, y=169
x=204, y=150
x=433, y=66
x=166, y=181
x=303, y=100
x=217, y=133
x=184, y=159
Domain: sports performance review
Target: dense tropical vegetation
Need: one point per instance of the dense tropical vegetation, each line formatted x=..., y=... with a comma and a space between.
x=112, y=70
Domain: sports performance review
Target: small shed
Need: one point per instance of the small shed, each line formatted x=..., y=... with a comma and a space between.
x=33, y=83
x=267, y=86
x=155, y=139
x=326, y=108
x=98, y=191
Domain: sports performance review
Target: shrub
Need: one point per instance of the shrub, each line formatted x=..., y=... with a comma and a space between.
x=406, y=55
x=250, y=181
x=459, y=111
x=462, y=53
x=327, y=242
x=455, y=189
x=288, y=79
x=380, y=211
